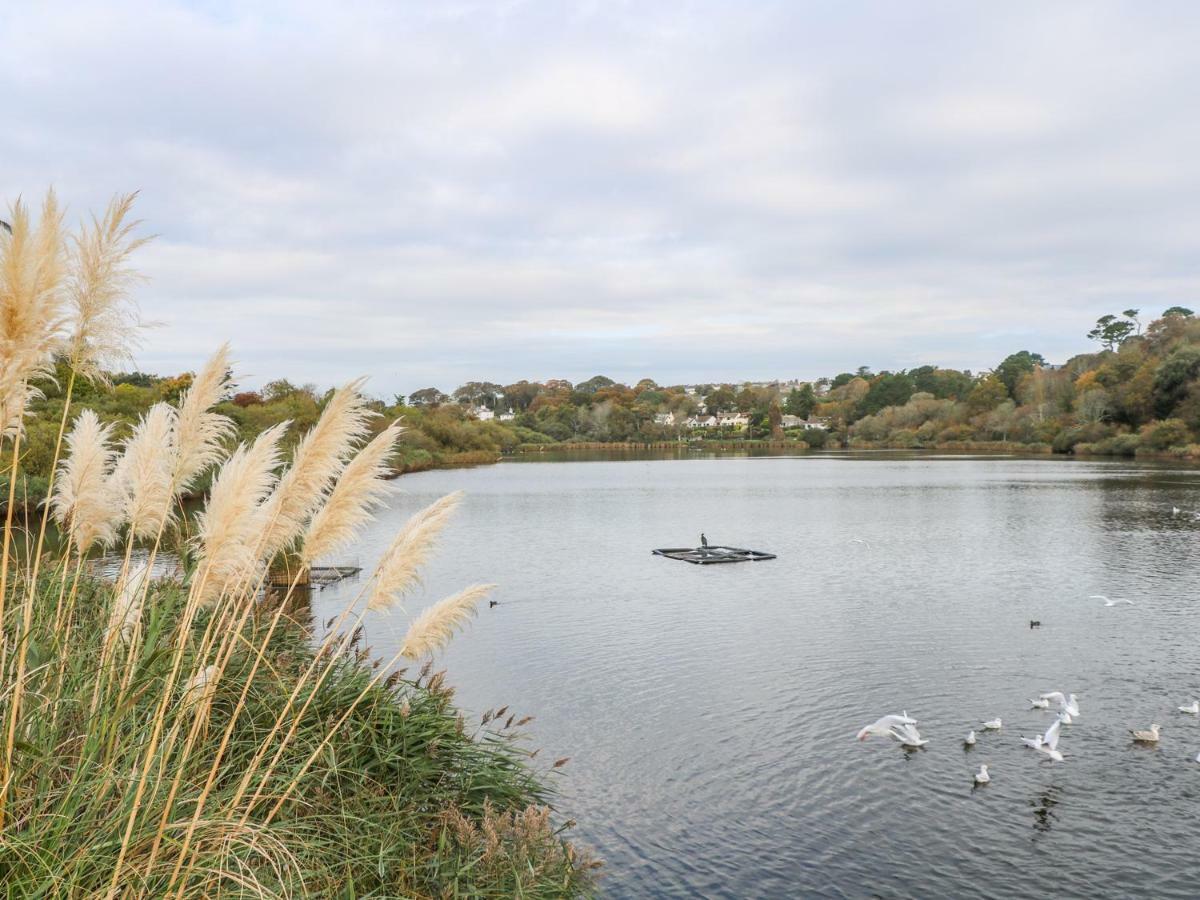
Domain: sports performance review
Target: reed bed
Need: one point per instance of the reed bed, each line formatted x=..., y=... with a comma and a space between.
x=189, y=738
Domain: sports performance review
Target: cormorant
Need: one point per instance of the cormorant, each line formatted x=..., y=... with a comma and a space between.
x=703, y=540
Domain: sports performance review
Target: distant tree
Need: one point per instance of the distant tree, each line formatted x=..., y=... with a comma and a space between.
x=987, y=394
x=1132, y=315
x=429, y=396
x=775, y=419
x=720, y=399
x=247, y=398
x=746, y=399
x=280, y=389
x=478, y=393
x=1181, y=311
x=1112, y=331
x=800, y=402
x=1172, y=378
x=1016, y=365
x=594, y=384
x=518, y=396
x=842, y=379
x=887, y=389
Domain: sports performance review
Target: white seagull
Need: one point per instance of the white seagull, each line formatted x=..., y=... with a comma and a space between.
x=883, y=726
x=1194, y=709
x=1113, y=602
x=1032, y=743
x=1146, y=737
x=908, y=736
x=992, y=725
x=969, y=740
x=982, y=776
x=1175, y=510
x=1043, y=703
x=1049, y=744
x=1067, y=704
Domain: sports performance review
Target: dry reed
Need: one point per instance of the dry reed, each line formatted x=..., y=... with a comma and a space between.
x=84, y=500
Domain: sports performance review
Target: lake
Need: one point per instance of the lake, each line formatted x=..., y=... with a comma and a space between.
x=710, y=711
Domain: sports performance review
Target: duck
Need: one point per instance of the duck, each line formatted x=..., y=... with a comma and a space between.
x=982, y=776
x=1146, y=737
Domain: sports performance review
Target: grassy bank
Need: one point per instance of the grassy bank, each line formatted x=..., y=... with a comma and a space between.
x=191, y=738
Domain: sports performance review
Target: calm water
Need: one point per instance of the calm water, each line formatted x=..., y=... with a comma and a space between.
x=709, y=712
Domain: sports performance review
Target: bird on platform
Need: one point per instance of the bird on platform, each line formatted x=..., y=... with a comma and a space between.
x=703, y=540
x=1146, y=737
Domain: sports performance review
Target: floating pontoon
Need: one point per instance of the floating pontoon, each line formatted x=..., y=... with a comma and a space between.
x=703, y=556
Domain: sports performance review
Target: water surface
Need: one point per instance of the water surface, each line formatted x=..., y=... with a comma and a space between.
x=709, y=712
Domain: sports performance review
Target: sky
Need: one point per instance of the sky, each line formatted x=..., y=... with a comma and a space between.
x=430, y=193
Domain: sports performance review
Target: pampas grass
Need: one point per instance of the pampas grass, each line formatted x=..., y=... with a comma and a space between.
x=105, y=318
x=199, y=432
x=358, y=492
x=433, y=629
x=400, y=567
x=31, y=306
x=231, y=525
x=84, y=502
x=200, y=687
x=318, y=460
x=144, y=472
x=127, y=609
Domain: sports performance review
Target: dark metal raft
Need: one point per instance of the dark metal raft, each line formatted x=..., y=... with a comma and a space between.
x=703, y=556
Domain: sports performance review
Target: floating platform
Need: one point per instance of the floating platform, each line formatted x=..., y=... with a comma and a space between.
x=317, y=576
x=703, y=556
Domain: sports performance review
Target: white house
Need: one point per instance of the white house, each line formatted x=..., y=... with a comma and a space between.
x=482, y=413
x=506, y=416
x=664, y=418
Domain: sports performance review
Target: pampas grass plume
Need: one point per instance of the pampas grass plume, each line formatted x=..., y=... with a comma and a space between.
x=144, y=472
x=230, y=527
x=401, y=564
x=106, y=322
x=316, y=463
x=84, y=500
x=200, y=686
x=359, y=490
x=199, y=432
x=433, y=629
x=127, y=606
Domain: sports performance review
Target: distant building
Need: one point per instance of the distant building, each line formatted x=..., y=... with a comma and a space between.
x=482, y=413
x=664, y=419
x=506, y=416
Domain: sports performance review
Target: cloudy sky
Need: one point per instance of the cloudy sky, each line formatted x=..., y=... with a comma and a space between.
x=435, y=192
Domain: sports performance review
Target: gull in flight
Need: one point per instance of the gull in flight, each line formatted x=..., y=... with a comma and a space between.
x=982, y=776
x=908, y=736
x=1113, y=602
x=969, y=740
x=1067, y=704
x=1146, y=737
x=992, y=725
x=883, y=727
x=865, y=543
x=1194, y=709
x=1049, y=741
x=1042, y=703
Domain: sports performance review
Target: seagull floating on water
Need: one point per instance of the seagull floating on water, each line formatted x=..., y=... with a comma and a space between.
x=1175, y=510
x=992, y=725
x=1042, y=703
x=1194, y=709
x=969, y=740
x=1032, y=743
x=1067, y=704
x=1146, y=737
x=982, y=776
x=883, y=727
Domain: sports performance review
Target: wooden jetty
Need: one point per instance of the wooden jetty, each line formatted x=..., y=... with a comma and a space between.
x=704, y=556
x=316, y=576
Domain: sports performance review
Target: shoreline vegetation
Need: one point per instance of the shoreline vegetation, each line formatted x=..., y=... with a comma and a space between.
x=1138, y=394
x=198, y=736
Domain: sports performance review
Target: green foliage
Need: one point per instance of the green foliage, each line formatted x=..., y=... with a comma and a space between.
x=1112, y=331
x=800, y=401
x=1015, y=366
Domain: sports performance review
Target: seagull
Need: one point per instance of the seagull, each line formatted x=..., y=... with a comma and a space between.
x=882, y=727
x=1065, y=717
x=1194, y=709
x=1043, y=703
x=982, y=776
x=1067, y=704
x=865, y=543
x=1032, y=743
x=1175, y=510
x=1146, y=737
x=908, y=736
x=993, y=725
x=969, y=740
x=1108, y=602
x=1049, y=744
